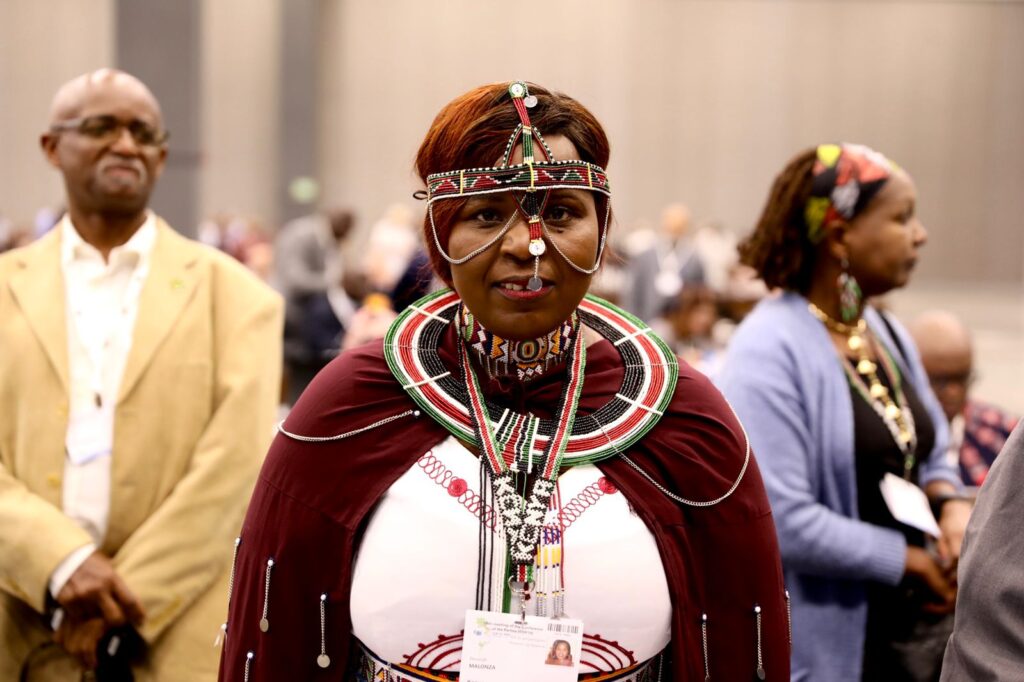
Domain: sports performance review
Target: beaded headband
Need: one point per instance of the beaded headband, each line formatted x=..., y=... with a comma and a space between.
x=533, y=178
x=845, y=178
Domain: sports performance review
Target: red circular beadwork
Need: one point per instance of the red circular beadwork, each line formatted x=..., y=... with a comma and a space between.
x=457, y=487
x=606, y=486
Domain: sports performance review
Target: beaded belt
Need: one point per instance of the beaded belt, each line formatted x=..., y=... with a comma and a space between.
x=373, y=669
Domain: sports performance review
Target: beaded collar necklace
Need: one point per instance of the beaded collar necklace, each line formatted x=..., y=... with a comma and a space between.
x=532, y=180
x=524, y=360
x=649, y=379
x=895, y=412
x=507, y=440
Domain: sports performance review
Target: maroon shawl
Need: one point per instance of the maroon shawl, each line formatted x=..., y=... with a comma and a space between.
x=312, y=501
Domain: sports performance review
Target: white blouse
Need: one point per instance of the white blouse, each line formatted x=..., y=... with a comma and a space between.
x=416, y=571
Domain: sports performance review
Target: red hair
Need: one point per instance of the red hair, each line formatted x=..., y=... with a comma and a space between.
x=472, y=130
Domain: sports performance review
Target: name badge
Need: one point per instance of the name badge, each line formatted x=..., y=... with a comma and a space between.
x=506, y=647
x=90, y=434
x=909, y=504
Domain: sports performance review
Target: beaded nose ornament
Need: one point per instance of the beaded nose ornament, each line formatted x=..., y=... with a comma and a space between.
x=532, y=180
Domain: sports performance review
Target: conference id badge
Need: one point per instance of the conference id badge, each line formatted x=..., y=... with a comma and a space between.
x=90, y=434
x=507, y=647
x=909, y=504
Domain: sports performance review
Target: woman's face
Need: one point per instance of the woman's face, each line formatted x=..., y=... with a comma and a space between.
x=493, y=283
x=883, y=241
x=562, y=651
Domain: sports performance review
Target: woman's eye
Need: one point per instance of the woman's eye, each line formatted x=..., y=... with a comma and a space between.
x=487, y=215
x=559, y=214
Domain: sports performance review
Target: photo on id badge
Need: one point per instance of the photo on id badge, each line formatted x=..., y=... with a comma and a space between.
x=503, y=647
x=560, y=654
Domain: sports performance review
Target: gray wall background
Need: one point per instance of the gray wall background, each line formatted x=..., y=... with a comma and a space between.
x=703, y=101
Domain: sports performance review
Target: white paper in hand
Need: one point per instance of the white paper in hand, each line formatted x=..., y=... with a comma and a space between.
x=909, y=504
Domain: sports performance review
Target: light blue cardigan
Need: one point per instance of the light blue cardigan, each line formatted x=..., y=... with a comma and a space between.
x=784, y=379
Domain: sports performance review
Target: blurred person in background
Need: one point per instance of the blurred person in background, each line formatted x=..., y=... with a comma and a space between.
x=244, y=239
x=743, y=289
x=227, y=232
x=688, y=326
x=662, y=269
x=977, y=431
x=612, y=279
x=370, y=321
x=258, y=256
x=12, y=236
x=845, y=425
x=6, y=234
x=393, y=261
x=138, y=378
x=716, y=248
x=310, y=273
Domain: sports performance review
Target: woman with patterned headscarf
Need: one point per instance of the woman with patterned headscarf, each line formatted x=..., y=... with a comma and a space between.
x=846, y=428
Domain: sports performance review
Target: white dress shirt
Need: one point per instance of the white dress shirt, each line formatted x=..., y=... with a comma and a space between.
x=102, y=301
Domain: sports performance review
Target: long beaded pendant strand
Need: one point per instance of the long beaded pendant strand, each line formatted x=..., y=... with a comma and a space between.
x=522, y=518
x=896, y=413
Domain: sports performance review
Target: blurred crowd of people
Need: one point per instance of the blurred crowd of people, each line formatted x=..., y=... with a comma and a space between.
x=343, y=285
x=872, y=588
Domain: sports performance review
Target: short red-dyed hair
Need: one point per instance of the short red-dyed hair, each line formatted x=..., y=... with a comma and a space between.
x=472, y=130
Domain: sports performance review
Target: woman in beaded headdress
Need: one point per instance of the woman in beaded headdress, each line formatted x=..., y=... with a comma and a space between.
x=840, y=412
x=512, y=445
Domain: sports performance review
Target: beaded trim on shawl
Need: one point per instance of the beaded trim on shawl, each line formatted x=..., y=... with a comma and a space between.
x=650, y=374
x=371, y=668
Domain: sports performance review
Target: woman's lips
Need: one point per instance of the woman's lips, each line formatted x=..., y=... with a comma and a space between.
x=517, y=290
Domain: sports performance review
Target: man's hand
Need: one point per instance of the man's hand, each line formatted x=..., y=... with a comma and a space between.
x=96, y=590
x=81, y=639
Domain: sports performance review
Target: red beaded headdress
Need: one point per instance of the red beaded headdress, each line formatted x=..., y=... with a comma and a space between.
x=532, y=178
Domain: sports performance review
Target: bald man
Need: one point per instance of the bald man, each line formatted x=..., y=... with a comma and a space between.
x=977, y=431
x=138, y=383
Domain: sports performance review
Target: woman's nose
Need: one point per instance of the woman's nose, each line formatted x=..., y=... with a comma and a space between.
x=516, y=241
x=920, y=234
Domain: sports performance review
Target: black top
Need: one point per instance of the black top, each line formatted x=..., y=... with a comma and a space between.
x=878, y=453
x=898, y=632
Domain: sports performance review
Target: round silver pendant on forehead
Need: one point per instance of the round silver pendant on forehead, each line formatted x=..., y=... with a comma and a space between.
x=537, y=247
x=530, y=101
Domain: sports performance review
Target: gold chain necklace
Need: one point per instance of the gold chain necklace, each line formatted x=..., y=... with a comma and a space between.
x=896, y=412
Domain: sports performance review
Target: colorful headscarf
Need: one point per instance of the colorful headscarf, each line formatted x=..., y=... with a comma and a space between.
x=845, y=178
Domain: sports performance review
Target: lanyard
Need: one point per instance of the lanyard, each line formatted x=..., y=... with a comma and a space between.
x=523, y=518
x=99, y=353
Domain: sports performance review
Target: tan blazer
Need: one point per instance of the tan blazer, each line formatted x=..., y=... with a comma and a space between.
x=193, y=420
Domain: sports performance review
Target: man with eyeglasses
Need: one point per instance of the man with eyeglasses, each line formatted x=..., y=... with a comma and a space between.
x=977, y=430
x=139, y=377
